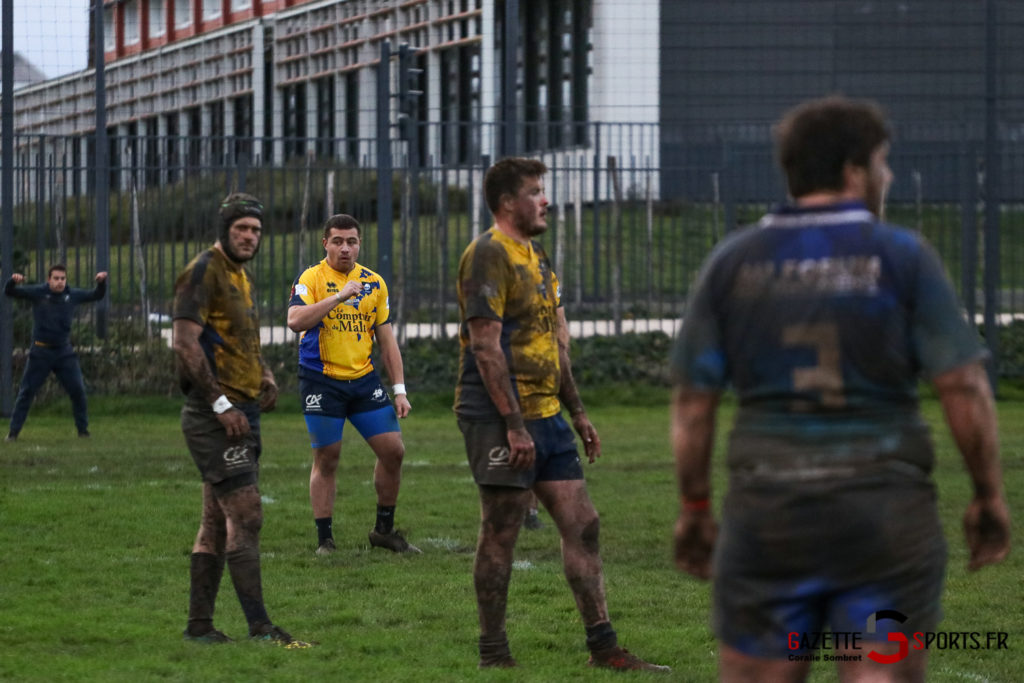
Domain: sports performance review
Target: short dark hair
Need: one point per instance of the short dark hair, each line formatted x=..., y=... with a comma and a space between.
x=341, y=221
x=56, y=266
x=816, y=139
x=506, y=177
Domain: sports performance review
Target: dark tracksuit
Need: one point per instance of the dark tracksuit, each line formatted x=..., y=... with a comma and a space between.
x=51, y=347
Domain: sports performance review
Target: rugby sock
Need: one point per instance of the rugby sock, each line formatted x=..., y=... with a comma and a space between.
x=244, y=565
x=206, y=570
x=601, y=637
x=385, y=519
x=324, y=529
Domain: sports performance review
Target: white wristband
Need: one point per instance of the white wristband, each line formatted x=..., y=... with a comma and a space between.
x=222, y=405
x=400, y=389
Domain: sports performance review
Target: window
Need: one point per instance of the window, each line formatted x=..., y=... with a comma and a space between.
x=237, y=5
x=131, y=22
x=157, y=17
x=109, y=39
x=182, y=13
x=211, y=9
x=294, y=120
x=325, y=117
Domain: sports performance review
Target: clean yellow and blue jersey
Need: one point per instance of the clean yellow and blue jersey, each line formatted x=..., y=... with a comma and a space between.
x=822, y=320
x=504, y=280
x=339, y=346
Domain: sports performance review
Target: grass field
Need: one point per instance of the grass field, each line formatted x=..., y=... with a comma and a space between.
x=95, y=537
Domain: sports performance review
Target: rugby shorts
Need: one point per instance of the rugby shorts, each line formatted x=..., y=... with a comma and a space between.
x=797, y=559
x=363, y=401
x=225, y=463
x=487, y=451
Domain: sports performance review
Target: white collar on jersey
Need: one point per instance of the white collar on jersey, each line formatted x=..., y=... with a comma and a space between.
x=810, y=218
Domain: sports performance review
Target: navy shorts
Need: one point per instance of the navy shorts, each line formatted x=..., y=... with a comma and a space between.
x=795, y=559
x=363, y=401
x=487, y=450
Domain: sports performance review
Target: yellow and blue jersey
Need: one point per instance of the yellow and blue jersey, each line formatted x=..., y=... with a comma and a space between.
x=505, y=280
x=218, y=294
x=339, y=346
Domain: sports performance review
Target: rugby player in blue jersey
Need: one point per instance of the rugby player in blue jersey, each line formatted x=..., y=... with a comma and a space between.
x=822, y=319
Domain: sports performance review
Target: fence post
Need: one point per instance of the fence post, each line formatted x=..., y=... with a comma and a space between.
x=101, y=171
x=992, y=159
x=615, y=239
x=509, y=73
x=969, y=228
x=7, y=202
x=725, y=183
x=385, y=216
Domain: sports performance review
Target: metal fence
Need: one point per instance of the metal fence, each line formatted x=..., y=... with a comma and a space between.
x=627, y=231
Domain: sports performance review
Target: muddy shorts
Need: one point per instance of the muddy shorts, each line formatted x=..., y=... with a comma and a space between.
x=487, y=450
x=798, y=559
x=225, y=463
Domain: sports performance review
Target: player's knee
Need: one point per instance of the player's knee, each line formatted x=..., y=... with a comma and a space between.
x=250, y=519
x=590, y=534
x=393, y=457
x=325, y=466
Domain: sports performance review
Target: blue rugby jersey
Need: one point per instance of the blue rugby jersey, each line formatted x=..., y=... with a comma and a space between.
x=52, y=312
x=822, y=319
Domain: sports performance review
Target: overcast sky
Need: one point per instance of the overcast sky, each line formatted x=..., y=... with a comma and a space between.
x=52, y=34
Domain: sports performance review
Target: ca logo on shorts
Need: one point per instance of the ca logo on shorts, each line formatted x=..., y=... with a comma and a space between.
x=378, y=394
x=497, y=458
x=313, y=401
x=236, y=455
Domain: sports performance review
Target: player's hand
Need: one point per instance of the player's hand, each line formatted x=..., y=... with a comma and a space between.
x=351, y=289
x=695, y=536
x=268, y=395
x=235, y=423
x=521, y=449
x=101, y=276
x=591, y=442
x=987, y=528
x=402, y=405
x=17, y=278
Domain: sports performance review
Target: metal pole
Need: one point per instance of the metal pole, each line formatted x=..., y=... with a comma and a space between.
x=102, y=170
x=992, y=169
x=509, y=75
x=969, y=225
x=7, y=202
x=385, y=218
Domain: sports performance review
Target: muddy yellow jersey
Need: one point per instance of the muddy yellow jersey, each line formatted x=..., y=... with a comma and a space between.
x=339, y=346
x=218, y=294
x=504, y=280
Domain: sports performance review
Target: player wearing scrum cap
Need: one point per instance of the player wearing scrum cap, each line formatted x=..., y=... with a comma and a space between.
x=227, y=385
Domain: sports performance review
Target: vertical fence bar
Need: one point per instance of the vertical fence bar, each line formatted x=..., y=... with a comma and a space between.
x=992, y=278
x=102, y=169
x=385, y=218
x=6, y=202
x=968, y=228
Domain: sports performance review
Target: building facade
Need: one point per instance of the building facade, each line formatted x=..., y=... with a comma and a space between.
x=204, y=82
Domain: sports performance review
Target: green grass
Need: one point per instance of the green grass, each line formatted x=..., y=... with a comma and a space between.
x=95, y=537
